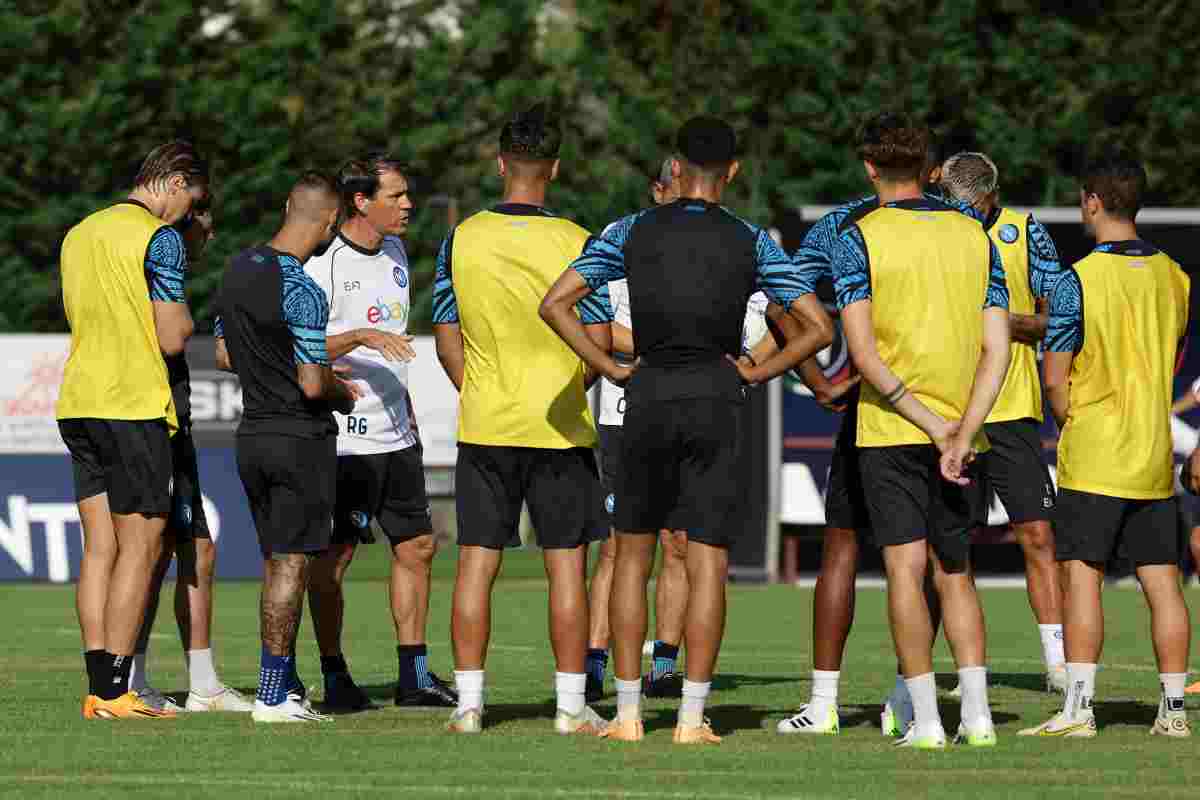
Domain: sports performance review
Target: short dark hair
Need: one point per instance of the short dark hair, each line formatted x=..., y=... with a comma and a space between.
x=895, y=143
x=1118, y=179
x=315, y=179
x=177, y=157
x=532, y=135
x=707, y=142
x=361, y=176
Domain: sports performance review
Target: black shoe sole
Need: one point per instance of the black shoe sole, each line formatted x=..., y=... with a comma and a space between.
x=425, y=700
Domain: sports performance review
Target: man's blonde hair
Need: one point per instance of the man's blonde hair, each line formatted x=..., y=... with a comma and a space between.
x=969, y=177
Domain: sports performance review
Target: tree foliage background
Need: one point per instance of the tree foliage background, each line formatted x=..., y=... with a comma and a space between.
x=270, y=87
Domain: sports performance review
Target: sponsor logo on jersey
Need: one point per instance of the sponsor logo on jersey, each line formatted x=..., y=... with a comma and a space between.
x=1009, y=233
x=400, y=275
x=384, y=311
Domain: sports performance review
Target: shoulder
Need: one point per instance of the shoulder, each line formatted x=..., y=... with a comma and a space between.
x=166, y=245
x=853, y=213
x=304, y=301
x=617, y=232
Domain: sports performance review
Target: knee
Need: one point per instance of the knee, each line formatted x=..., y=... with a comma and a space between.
x=1036, y=538
x=674, y=547
x=840, y=551
x=416, y=553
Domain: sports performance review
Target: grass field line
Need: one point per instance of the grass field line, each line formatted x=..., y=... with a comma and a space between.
x=291, y=782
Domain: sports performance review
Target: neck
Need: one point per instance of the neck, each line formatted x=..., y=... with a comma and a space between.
x=295, y=240
x=530, y=193
x=691, y=188
x=151, y=200
x=360, y=232
x=1109, y=229
x=890, y=192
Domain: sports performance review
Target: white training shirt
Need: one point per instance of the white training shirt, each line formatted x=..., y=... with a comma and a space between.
x=369, y=289
x=612, y=397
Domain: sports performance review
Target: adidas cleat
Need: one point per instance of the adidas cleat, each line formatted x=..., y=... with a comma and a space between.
x=127, y=706
x=624, y=730
x=343, y=694
x=982, y=735
x=226, y=699
x=438, y=694
x=1062, y=727
x=695, y=734
x=287, y=711
x=801, y=722
x=667, y=685
x=157, y=700
x=587, y=723
x=927, y=741
x=469, y=721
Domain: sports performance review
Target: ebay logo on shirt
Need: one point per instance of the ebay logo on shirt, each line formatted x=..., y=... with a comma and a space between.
x=395, y=311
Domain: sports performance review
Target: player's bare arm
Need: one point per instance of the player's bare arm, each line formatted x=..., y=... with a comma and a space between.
x=864, y=349
x=805, y=326
x=622, y=339
x=989, y=378
x=221, y=353
x=1030, y=328
x=558, y=310
x=392, y=346
x=602, y=335
x=1056, y=374
x=449, y=341
x=318, y=382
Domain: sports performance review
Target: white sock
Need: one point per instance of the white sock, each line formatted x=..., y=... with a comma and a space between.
x=202, y=675
x=824, y=695
x=923, y=690
x=691, y=709
x=1052, y=645
x=138, y=679
x=1081, y=687
x=570, y=687
x=1172, y=690
x=629, y=699
x=469, y=685
x=975, y=708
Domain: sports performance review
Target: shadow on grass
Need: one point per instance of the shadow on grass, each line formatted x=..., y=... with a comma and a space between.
x=725, y=681
x=1029, y=681
x=1125, y=712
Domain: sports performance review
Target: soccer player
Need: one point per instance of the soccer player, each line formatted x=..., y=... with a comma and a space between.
x=525, y=432
x=1116, y=322
x=931, y=373
x=847, y=522
x=1014, y=467
x=671, y=588
x=115, y=412
x=187, y=536
x=691, y=267
x=380, y=476
x=273, y=319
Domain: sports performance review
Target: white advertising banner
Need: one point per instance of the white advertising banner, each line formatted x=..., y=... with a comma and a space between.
x=34, y=365
x=29, y=392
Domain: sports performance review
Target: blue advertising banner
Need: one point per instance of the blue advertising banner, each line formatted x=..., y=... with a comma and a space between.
x=40, y=536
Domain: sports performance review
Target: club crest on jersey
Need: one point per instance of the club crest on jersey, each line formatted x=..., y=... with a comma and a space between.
x=400, y=276
x=1009, y=233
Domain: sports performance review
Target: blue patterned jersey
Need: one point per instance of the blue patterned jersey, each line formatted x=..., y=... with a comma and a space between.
x=306, y=312
x=166, y=265
x=1064, y=328
x=690, y=266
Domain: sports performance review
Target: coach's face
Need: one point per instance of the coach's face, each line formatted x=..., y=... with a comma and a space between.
x=389, y=210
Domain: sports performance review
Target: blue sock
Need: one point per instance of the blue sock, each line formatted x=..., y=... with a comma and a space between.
x=597, y=663
x=414, y=666
x=273, y=677
x=293, y=684
x=664, y=659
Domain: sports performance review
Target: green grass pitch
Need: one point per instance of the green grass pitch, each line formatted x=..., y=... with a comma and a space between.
x=49, y=751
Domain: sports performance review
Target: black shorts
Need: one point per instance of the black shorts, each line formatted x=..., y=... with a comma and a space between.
x=1016, y=471
x=1097, y=528
x=561, y=488
x=681, y=469
x=290, y=483
x=909, y=501
x=845, y=501
x=612, y=439
x=130, y=460
x=385, y=488
x=187, y=520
